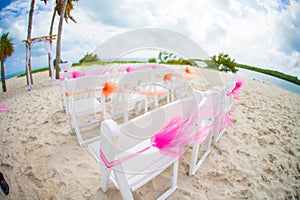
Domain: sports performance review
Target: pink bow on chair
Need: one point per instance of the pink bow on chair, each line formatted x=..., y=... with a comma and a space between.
x=4, y=108
x=170, y=141
x=236, y=90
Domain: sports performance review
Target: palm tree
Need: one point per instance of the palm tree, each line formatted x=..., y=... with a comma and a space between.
x=63, y=8
x=28, y=45
x=6, y=50
x=68, y=10
x=50, y=33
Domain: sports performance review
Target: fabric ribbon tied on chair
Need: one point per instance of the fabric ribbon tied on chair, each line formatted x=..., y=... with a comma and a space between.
x=236, y=90
x=170, y=141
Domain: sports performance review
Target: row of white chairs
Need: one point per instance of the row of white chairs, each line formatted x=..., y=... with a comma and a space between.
x=128, y=139
x=86, y=105
x=83, y=96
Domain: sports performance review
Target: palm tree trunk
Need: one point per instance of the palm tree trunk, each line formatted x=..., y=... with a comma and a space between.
x=3, y=76
x=58, y=45
x=50, y=33
x=28, y=67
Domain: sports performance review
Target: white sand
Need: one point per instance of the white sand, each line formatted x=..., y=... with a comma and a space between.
x=258, y=157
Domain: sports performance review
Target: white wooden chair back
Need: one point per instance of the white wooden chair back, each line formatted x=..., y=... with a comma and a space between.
x=167, y=85
x=209, y=110
x=89, y=86
x=228, y=98
x=127, y=85
x=225, y=105
x=63, y=76
x=118, y=141
x=84, y=101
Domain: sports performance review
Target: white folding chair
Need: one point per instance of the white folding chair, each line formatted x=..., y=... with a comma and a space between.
x=85, y=103
x=225, y=108
x=63, y=76
x=118, y=141
x=209, y=107
x=127, y=96
x=172, y=82
x=228, y=98
x=65, y=67
x=163, y=85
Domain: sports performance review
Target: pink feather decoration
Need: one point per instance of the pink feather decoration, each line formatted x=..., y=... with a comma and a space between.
x=236, y=90
x=76, y=74
x=4, y=108
x=154, y=67
x=129, y=69
x=175, y=136
x=162, y=139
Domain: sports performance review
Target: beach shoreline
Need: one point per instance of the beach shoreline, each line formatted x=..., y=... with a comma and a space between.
x=257, y=158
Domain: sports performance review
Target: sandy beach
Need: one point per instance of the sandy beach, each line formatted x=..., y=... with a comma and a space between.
x=258, y=157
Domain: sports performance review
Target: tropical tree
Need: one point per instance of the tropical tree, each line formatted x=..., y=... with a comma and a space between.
x=69, y=8
x=224, y=63
x=28, y=45
x=170, y=58
x=89, y=57
x=6, y=50
x=63, y=8
x=152, y=60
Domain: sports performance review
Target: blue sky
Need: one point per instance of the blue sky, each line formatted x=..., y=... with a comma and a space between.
x=254, y=32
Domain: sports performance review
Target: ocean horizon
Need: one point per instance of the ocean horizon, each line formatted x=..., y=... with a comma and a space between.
x=18, y=73
x=268, y=79
x=261, y=77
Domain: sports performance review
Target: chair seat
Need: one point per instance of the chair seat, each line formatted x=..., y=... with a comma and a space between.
x=135, y=97
x=156, y=160
x=142, y=173
x=87, y=106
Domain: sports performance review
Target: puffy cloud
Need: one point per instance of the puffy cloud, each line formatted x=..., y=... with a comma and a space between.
x=263, y=33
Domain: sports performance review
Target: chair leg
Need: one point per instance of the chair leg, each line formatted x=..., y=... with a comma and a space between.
x=173, y=182
x=104, y=110
x=125, y=112
x=218, y=137
x=194, y=158
x=175, y=175
x=105, y=177
x=123, y=185
x=146, y=105
x=70, y=124
x=155, y=101
x=168, y=96
x=194, y=166
x=77, y=131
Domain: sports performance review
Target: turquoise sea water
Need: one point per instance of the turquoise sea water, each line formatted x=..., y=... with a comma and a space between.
x=8, y=76
x=269, y=80
x=11, y=75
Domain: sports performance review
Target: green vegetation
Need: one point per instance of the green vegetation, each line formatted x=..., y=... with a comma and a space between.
x=152, y=60
x=169, y=58
x=89, y=57
x=6, y=50
x=222, y=62
x=35, y=71
x=103, y=63
x=277, y=74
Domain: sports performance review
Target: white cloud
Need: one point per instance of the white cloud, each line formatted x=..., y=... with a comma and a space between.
x=255, y=32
